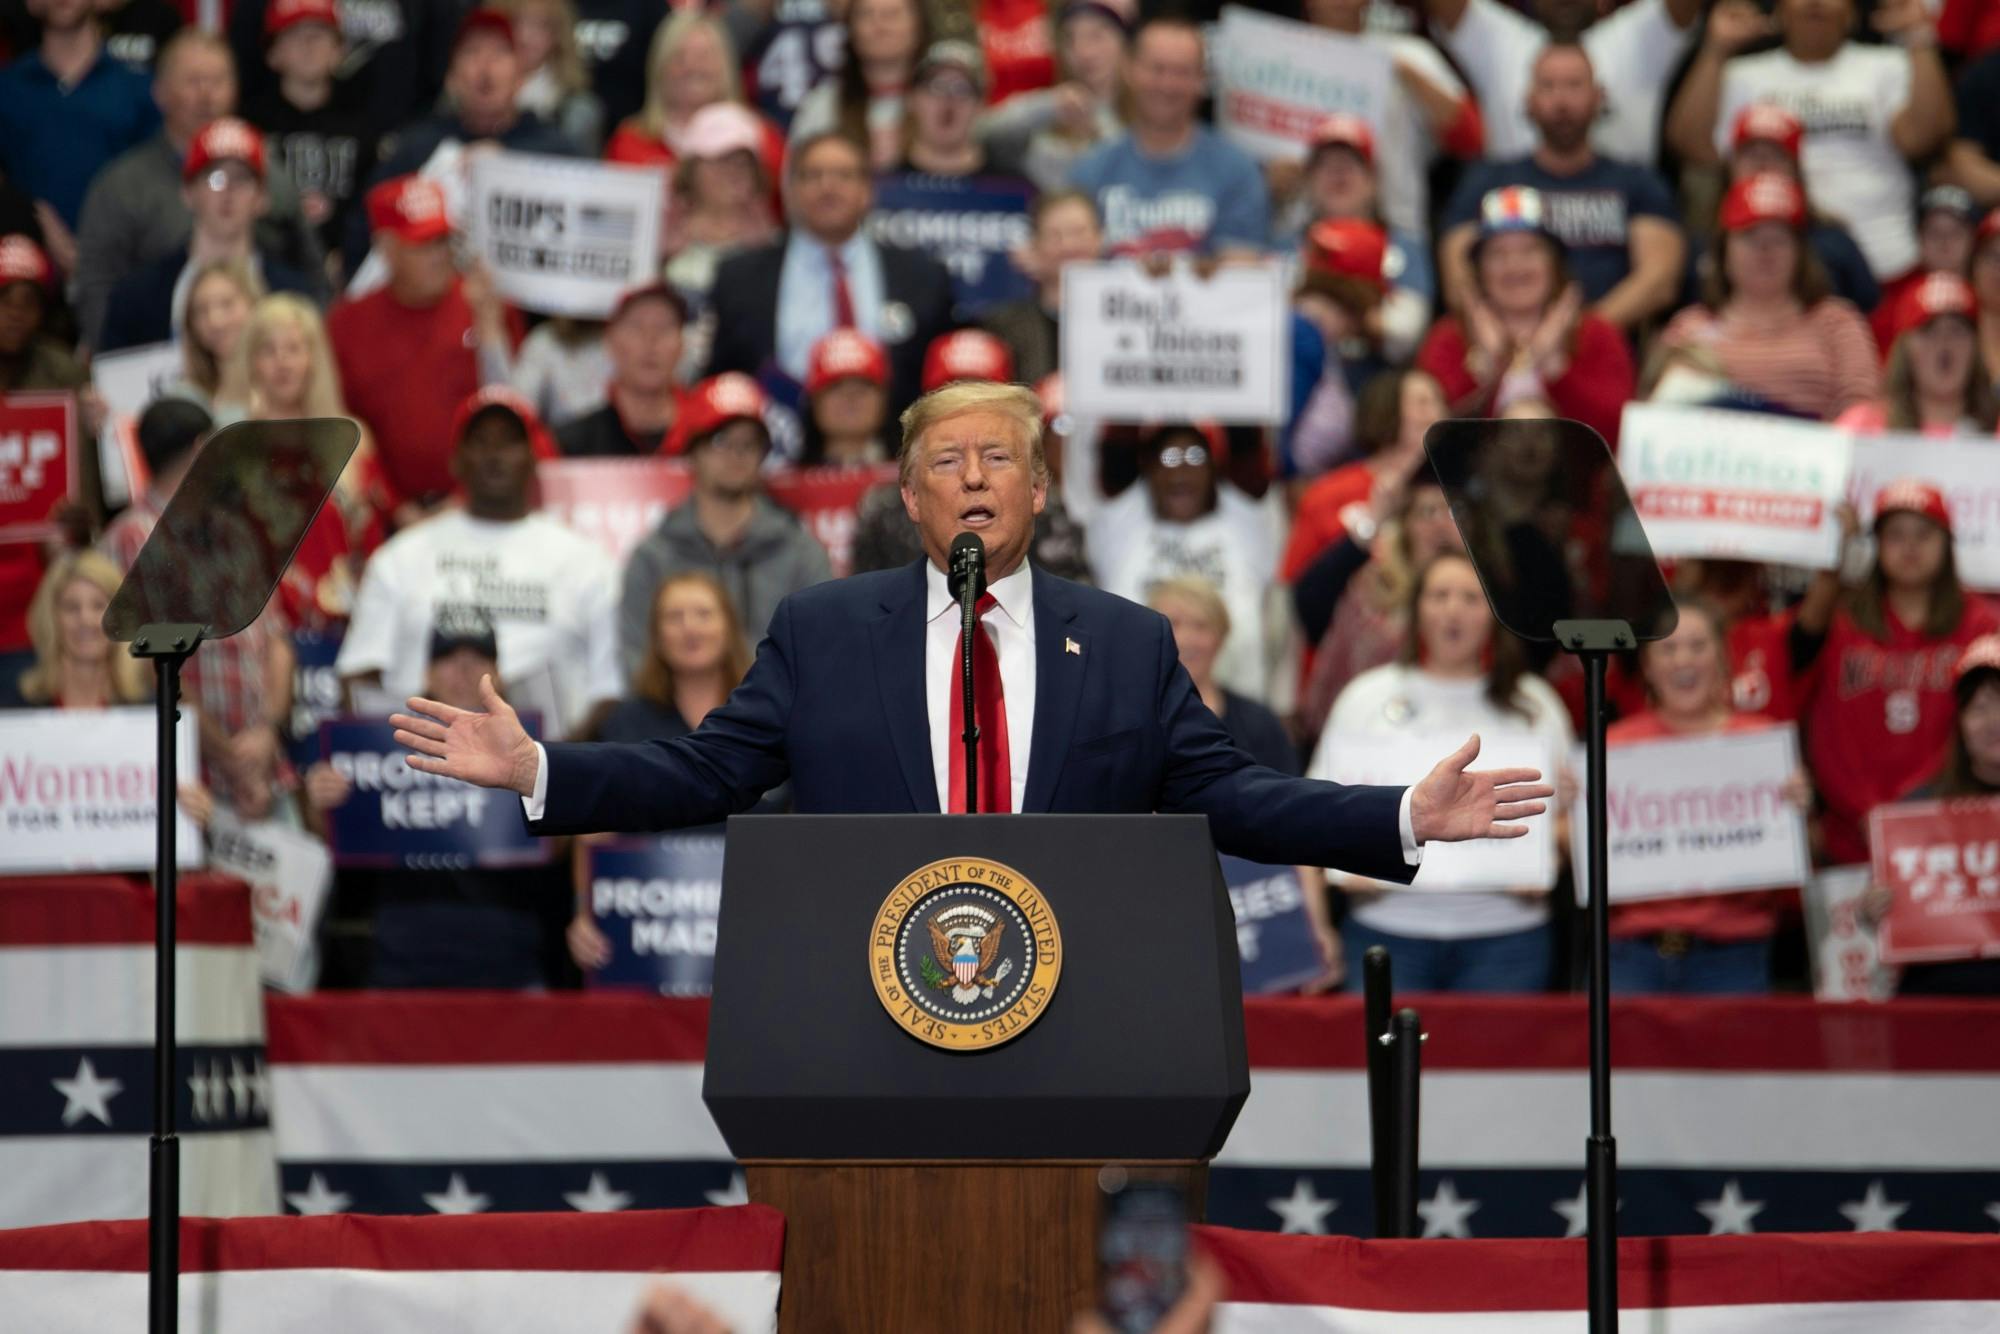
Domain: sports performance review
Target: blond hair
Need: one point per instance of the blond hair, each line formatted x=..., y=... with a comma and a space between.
x=1015, y=402
x=198, y=362
x=1198, y=593
x=40, y=682
x=564, y=61
x=283, y=310
x=668, y=38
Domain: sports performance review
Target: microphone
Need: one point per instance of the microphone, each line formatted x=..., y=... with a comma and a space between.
x=966, y=567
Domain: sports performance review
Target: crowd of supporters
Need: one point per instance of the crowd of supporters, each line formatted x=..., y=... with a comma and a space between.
x=1563, y=206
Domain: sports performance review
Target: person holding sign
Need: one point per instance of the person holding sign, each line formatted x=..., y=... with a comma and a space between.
x=1454, y=673
x=1048, y=129
x=1878, y=703
x=1703, y=944
x=1934, y=383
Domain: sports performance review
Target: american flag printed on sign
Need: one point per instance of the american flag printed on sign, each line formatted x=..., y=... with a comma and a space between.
x=601, y=224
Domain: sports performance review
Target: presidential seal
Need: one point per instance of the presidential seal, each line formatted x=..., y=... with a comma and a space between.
x=965, y=954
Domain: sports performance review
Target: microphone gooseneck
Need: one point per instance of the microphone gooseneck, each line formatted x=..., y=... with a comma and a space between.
x=965, y=576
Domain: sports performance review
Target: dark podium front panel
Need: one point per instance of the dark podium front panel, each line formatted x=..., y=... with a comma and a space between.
x=1137, y=1055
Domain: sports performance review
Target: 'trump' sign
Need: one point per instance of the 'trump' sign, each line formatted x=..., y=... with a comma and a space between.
x=1940, y=861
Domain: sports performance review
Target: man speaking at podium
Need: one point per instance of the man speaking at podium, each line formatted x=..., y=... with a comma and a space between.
x=1081, y=701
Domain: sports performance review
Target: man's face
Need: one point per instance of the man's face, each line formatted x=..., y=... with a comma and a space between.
x=1180, y=473
x=454, y=678
x=1563, y=99
x=1944, y=241
x=495, y=463
x=420, y=272
x=194, y=86
x=226, y=200
x=726, y=464
x=1340, y=184
x=1166, y=77
x=973, y=473
x=943, y=107
x=308, y=51
x=830, y=193
x=1067, y=234
x=644, y=344
x=1816, y=27
x=484, y=78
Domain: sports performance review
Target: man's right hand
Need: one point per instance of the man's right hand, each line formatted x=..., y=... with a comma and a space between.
x=489, y=749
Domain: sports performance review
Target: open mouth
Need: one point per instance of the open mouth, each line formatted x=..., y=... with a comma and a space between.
x=976, y=516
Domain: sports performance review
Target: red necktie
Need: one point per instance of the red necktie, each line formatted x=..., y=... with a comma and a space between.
x=843, y=300
x=996, y=783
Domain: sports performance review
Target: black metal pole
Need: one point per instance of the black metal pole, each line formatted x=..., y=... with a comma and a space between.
x=1601, y=1152
x=1376, y=991
x=164, y=1205
x=1407, y=1055
x=968, y=622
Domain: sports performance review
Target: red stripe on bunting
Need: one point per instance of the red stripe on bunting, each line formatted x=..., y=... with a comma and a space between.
x=1653, y=1272
x=742, y=1239
x=45, y=911
x=483, y=1028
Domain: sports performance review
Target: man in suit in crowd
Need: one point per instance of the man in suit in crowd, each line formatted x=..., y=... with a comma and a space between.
x=1086, y=707
x=771, y=304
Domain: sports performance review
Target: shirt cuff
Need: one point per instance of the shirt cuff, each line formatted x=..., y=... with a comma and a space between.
x=1413, y=852
x=536, y=806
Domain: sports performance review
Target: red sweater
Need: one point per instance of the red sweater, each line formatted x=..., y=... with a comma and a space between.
x=1593, y=390
x=1319, y=523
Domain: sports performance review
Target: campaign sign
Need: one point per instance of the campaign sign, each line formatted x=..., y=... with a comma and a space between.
x=1940, y=861
x=128, y=381
x=825, y=500
x=1707, y=482
x=37, y=463
x=400, y=817
x=1403, y=758
x=1274, y=936
x=1178, y=347
x=315, y=693
x=1964, y=469
x=289, y=873
x=799, y=45
x=970, y=224
x=1841, y=943
x=1276, y=79
x=656, y=900
x=565, y=237
x=1700, y=815
x=78, y=790
x=614, y=502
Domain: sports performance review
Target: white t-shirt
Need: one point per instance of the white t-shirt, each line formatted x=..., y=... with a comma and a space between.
x=1633, y=52
x=1396, y=698
x=550, y=595
x=1404, y=144
x=1852, y=169
x=1234, y=546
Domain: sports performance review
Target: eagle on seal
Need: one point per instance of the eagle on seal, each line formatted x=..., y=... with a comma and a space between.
x=967, y=955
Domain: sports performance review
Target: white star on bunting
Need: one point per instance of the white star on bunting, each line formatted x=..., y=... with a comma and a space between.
x=1993, y=1211
x=1303, y=1211
x=1575, y=1211
x=318, y=1198
x=1445, y=1214
x=598, y=1197
x=87, y=1095
x=457, y=1199
x=736, y=1192
x=1874, y=1211
x=1732, y=1213
x=239, y=1088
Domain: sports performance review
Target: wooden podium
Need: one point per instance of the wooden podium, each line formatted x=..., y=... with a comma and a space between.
x=925, y=1188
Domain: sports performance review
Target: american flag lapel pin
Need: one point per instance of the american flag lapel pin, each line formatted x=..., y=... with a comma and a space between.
x=1071, y=646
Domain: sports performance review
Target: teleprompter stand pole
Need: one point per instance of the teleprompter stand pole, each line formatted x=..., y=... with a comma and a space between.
x=1376, y=991
x=1594, y=642
x=1406, y=1059
x=169, y=646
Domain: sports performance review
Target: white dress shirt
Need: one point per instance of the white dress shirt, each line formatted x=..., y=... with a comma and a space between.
x=805, y=297
x=1011, y=625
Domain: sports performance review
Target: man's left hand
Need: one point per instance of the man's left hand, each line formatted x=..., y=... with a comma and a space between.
x=1453, y=804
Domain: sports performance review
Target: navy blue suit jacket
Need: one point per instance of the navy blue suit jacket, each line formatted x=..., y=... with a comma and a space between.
x=836, y=703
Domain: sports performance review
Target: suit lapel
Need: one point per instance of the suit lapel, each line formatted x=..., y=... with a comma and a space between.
x=1062, y=657
x=898, y=639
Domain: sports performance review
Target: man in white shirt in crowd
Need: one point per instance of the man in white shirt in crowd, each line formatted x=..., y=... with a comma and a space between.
x=1869, y=111
x=548, y=593
x=1634, y=49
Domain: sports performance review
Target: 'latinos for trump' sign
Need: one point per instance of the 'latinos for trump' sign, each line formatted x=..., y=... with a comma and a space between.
x=656, y=901
x=565, y=237
x=1940, y=861
x=1277, y=79
x=396, y=816
x=1735, y=485
x=1700, y=815
x=1178, y=347
x=78, y=790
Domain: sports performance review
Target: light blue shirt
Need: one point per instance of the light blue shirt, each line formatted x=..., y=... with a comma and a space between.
x=805, y=296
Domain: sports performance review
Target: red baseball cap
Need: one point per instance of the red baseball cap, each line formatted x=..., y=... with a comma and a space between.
x=1764, y=197
x=225, y=140
x=22, y=261
x=716, y=402
x=1766, y=122
x=1989, y=227
x=483, y=20
x=846, y=354
x=967, y=354
x=494, y=396
x=1940, y=294
x=409, y=207
x=1344, y=130
x=1916, y=496
x=1348, y=248
x=1050, y=391
x=282, y=14
x=1981, y=655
